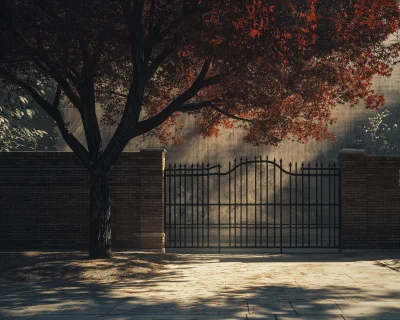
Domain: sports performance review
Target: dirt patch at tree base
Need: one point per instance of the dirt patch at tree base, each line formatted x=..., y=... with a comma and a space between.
x=76, y=266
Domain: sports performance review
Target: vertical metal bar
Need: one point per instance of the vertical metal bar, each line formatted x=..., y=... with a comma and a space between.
x=192, y=198
x=329, y=203
x=202, y=204
x=255, y=201
x=208, y=205
x=274, y=203
x=229, y=201
x=340, y=208
x=302, y=204
x=219, y=209
x=280, y=218
x=185, y=206
x=198, y=205
x=267, y=220
x=175, y=205
x=165, y=201
x=261, y=201
x=234, y=179
x=316, y=204
x=322, y=207
x=247, y=204
x=295, y=200
x=290, y=204
x=180, y=205
x=334, y=204
x=309, y=205
x=241, y=202
x=170, y=206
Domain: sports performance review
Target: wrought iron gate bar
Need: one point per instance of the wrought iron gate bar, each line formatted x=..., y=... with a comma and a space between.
x=227, y=173
x=248, y=204
x=202, y=212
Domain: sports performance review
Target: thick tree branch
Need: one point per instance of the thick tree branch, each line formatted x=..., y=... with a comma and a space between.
x=56, y=74
x=133, y=104
x=89, y=117
x=219, y=77
x=195, y=106
x=57, y=97
x=54, y=112
x=156, y=63
x=149, y=124
x=91, y=63
x=112, y=93
x=230, y=115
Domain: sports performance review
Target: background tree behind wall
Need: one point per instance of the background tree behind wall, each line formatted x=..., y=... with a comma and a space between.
x=275, y=69
x=23, y=126
x=381, y=135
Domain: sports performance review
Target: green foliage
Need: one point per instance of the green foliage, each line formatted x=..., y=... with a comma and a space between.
x=381, y=136
x=23, y=128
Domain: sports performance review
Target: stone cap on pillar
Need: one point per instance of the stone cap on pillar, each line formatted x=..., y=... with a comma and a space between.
x=352, y=151
x=153, y=150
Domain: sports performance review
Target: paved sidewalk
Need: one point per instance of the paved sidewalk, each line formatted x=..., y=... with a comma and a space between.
x=352, y=285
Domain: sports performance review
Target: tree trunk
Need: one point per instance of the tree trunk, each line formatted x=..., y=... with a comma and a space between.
x=100, y=217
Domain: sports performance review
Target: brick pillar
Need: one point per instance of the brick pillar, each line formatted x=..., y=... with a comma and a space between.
x=353, y=164
x=151, y=235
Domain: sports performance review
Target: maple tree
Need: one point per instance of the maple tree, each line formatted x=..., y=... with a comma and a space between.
x=275, y=68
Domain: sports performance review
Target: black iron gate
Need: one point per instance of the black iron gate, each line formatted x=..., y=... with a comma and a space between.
x=255, y=204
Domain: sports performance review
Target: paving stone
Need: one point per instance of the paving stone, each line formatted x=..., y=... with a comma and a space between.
x=303, y=308
x=309, y=317
x=370, y=308
x=271, y=308
x=379, y=317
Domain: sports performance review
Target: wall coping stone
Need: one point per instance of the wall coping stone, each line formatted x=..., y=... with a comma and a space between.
x=153, y=149
x=149, y=234
x=352, y=151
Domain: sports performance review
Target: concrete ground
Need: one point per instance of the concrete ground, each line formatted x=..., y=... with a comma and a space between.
x=351, y=285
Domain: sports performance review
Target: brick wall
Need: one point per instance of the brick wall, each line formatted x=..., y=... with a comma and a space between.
x=44, y=200
x=370, y=200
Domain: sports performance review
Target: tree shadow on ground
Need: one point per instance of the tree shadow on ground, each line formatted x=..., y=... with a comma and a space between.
x=181, y=292
x=75, y=266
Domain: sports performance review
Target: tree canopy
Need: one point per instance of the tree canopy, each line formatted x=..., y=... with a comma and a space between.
x=276, y=68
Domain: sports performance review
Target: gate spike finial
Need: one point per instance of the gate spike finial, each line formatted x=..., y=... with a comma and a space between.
x=240, y=159
x=174, y=165
x=290, y=164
